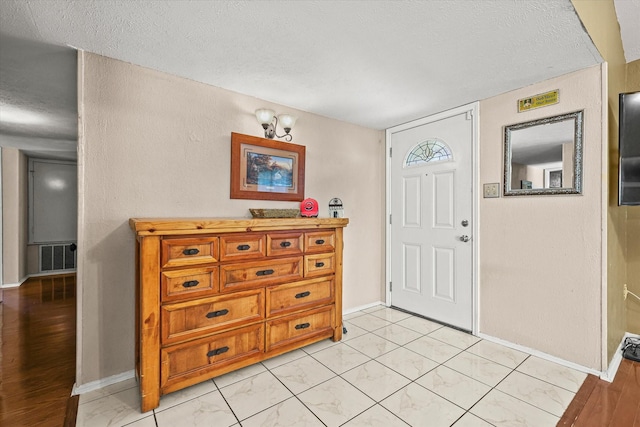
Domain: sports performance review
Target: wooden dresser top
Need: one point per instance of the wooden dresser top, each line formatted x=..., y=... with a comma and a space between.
x=173, y=226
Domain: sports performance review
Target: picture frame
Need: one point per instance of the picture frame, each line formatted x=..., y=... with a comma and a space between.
x=553, y=178
x=264, y=169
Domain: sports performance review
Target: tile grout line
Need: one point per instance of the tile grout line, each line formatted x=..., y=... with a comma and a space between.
x=294, y=395
x=514, y=369
x=374, y=359
x=439, y=364
x=410, y=380
x=225, y=399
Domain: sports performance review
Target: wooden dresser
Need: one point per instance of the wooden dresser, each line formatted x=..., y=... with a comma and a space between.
x=215, y=295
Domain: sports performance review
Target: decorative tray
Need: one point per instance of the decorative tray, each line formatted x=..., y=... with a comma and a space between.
x=274, y=213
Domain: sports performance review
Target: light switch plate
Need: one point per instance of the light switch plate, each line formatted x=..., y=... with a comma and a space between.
x=491, y=190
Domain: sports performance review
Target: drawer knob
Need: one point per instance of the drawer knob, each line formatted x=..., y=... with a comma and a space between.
x=319, y=264
x=319, y=242
x=303, y=325
x=217, y=313
x=285, y=244
x=217, y=351
x=243, y=247
x=190, y=284
x=264, y=272
x=303, y=294
x=192, y=251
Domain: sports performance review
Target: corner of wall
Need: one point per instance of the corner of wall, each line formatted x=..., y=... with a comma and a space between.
x=632, y=304
x=81, y=221
x=600, y=21
x=14, y=215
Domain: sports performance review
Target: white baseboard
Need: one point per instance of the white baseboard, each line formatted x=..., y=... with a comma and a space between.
x=541, y=355
x=607, y=375
x=52, y=273
x=363, y=307
x=96, y=385
x=614, y=364
x=14, y=285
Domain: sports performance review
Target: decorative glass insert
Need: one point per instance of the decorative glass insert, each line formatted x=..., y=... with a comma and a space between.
x=431, y=150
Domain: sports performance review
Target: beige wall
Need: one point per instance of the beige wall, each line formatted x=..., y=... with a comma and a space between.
x=14, y=216
x=633, y=229
x=600, y=20
x=33, y=259
x=541, y=256
x=155, y=145
x=633, y=76
x=633, y=272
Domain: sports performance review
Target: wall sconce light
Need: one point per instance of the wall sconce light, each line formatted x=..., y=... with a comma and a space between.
x=269, y=121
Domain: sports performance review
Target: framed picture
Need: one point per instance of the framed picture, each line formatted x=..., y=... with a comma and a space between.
x=264, y=169
x=553, y=178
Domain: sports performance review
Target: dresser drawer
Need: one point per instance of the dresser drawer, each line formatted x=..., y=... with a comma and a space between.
x=259, y=273
x=288, y=330
x=192, y=359
x=319, y=264
x=319, y=241
x=242, y=246
x=285, y=243
x=189, y=283
x=186, y=320
x=177, y=252
x=282, y=299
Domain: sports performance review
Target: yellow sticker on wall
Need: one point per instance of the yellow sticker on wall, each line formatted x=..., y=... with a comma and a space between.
x=538, y=101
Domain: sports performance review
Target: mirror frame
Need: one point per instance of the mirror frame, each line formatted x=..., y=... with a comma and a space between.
x=577, y=116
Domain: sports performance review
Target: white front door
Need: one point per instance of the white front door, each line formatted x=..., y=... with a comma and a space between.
x=431, y=206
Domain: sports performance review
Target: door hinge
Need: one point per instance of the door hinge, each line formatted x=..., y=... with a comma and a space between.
x=390, y=286
x=390, y=219
x=390, y=151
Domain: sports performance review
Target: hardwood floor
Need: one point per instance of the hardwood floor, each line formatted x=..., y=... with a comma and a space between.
x=602, y=404
x=38, y=343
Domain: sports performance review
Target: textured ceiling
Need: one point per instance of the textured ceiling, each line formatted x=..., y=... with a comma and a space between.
x=38, y=98
x=372, y=63
x=628, y=12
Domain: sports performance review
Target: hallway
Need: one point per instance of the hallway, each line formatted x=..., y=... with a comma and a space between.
x=37, y=361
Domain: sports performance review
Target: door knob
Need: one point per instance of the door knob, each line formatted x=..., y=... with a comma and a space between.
x=464, y=238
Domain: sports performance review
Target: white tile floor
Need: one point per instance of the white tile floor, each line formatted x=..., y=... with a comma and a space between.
x=390, y=369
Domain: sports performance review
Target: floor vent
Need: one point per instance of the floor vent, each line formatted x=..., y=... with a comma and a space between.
x=60, y=256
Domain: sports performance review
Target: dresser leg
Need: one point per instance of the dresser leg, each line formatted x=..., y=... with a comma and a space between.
x=148, y=403
x=337, y=334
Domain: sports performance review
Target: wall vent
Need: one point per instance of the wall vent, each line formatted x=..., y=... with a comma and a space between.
x=59, y=256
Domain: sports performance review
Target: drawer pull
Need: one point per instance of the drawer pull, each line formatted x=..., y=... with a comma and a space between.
x=217, y=313
x=285, y=244
x=217, y=351
x=264, y=272
x=319, y=264
x=243, y=247
x=303, y=325
x=192, y=251
x=190, y=284
x=319, y=242
x=303, y=294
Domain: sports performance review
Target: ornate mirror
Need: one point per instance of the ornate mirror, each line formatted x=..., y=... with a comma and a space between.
x=544, y=156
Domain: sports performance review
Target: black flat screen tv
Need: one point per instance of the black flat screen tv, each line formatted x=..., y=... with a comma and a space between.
x=629, y=142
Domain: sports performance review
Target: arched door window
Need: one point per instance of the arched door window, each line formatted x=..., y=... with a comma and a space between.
x=431, y=150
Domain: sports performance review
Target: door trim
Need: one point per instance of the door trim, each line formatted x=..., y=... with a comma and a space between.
x=474, y=108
